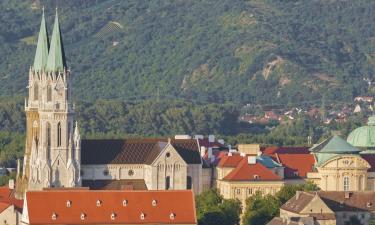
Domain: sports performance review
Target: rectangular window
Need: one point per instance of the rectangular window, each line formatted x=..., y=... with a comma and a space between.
x=238, y=191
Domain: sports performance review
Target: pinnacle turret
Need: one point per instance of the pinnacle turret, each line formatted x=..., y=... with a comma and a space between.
x=41, y=54
x=56, y=56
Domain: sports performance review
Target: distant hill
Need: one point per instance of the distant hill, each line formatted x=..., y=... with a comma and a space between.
x=257, y=51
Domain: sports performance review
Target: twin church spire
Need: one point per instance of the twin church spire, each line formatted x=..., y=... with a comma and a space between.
x=49, y=57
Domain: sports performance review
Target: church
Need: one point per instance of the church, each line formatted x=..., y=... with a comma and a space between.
x=55, y=155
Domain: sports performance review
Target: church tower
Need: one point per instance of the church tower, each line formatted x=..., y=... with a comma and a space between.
x=52, y=154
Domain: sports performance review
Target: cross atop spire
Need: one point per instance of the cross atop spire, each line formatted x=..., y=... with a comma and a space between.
x=41, y=54
x=56, y=57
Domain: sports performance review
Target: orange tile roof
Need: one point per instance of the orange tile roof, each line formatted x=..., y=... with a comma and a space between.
x=111, y=207
x=301, y=163
x=230, y=161
x=271, y=151
x=4, y=206
x=247, y=172
x=7, y=197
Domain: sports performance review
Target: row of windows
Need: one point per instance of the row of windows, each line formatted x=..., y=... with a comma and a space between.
x=49, y=93
x=251, y=191
x=49, y=135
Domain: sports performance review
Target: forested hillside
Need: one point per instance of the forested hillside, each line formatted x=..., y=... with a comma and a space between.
x=239, y=51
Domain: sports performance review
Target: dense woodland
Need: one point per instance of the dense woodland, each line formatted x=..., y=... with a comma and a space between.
x=160, y=68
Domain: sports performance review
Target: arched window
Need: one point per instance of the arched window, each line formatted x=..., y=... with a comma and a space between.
x=36, y=91
x=188, y=182
x=59, y=134
x=346, y=184
x=167, y=183
x=49, y=93
x=48, y=135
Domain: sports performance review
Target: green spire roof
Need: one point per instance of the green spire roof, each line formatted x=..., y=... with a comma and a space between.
x=41, y=54
x=56, y=57
x=335, y=145
x=364, y=136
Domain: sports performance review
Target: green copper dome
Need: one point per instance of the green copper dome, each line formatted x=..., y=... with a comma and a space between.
x=364, y=137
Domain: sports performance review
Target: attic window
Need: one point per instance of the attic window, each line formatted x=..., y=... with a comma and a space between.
x=142, y=216
x=83, y=216
x=172, y=216
x=124, y=202
x=131, y=173
x=105, y=172
x=368, y=204
x=256, y=177
x=113, y=216
x=68, y=203
x=295, y=173
x=154, y=202
x=168, y=155
x=98, y=203
x=54, y=216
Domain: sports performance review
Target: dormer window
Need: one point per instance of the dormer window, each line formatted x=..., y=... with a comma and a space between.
x=113, y=216
x=105, y=172
x=54, y=216
x=172, y=216
x=98, y=203
x=256, y=177
x=124, y=202
x=295, y=173
x=83, y=216
x=68, y=203
x=368, y=204
x=142, y=216
x=154, y=202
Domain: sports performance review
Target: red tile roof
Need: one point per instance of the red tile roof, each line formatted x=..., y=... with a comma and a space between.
x=249, y=172
x=7, y=197
x=230, y=161
x=4, y=206
x=111, y=207
x=301, y=163
x=370, y=158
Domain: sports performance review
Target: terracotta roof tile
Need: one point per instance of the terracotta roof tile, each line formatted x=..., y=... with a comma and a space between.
x=271, y=151
x=230, y=160
x=135, y=151
x=301, y=163
x=357, y=201
x=7, y=197
x=4, y=206
x=297, y=204
x=110, y=207
x=251, y=172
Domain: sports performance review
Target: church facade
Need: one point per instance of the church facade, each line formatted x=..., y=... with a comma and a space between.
x=55, y=155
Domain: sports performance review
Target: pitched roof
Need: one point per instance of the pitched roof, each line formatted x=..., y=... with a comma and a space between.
x=355, y=201
x=298, y=202
x=130, y=184
x=293, y=221
x=301, y=163
x=110, y=207
x=370, y=158
x=7, y=197
x=334, y=144
x=230, y=160
x=271, y=151
x=135, y=151
x=41, y=54
x=251, y=172
x=56, y=56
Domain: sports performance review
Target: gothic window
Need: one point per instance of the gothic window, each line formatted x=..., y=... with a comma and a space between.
x=346, y=183
x=36, y=91
x=59, y=134
x=49, y=93
x=48, y=135
x=188, y=182
x=167, y=183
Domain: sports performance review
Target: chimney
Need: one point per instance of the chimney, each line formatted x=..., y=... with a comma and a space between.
x=11, y=184
x=221, y=141
x=251, y=160
x=203, y=151
x=211, y=138
x=209, y=152
x=347, y=195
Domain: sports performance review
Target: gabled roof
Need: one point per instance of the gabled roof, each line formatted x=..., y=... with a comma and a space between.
x=301, y=163
x=41, y=54
x=230, y=160
x=298, y=202
x=271, y=151
x=251, y=172
x=335, y=144
x=56, y=56
x=135, y=151
x=7, y=198
x=111, y=207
